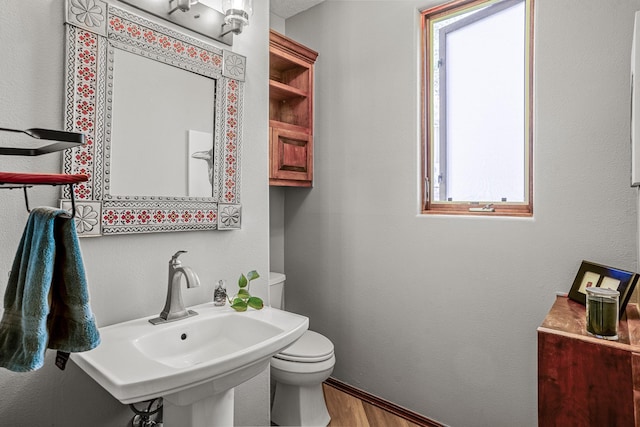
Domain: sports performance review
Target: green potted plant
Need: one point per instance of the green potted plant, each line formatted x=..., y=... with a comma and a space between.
x=243, y=299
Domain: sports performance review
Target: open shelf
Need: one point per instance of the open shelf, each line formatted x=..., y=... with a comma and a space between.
x=19, y=180
x=61, y=140
x=290, y=112
x=281, y=92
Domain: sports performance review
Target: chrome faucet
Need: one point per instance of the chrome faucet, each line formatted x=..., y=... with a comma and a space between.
x=174, y=307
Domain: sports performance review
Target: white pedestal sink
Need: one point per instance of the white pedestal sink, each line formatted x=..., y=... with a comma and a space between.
x=194, y=363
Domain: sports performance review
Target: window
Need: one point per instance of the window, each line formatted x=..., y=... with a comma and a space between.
x=477, y=108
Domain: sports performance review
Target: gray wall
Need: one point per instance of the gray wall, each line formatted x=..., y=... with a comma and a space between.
x=277, y=197
x=437, y=313
x=127, y=274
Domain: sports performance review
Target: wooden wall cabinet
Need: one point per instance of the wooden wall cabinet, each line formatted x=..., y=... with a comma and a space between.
x=586, y=381
x=290, y=112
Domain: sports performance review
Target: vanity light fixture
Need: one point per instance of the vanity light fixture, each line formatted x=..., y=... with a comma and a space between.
x=183, y=5
x=199, y=17
x=236, y=16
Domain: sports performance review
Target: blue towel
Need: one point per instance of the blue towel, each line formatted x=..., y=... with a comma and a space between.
x=46, y=303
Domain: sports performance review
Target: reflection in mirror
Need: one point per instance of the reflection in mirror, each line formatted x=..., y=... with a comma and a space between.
x=200, y=164
x=155, y=106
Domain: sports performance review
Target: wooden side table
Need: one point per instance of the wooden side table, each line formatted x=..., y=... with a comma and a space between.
x=583, y=380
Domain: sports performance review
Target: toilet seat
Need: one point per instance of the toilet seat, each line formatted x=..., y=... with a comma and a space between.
x=311, y=347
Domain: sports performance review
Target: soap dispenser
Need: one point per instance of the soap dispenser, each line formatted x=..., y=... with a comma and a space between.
x=220, y=293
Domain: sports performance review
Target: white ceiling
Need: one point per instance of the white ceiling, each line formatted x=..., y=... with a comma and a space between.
x=287, y=8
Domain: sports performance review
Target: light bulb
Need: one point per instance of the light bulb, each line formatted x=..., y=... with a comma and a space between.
x=237, y=11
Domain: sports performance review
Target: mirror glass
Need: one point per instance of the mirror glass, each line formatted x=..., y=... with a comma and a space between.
x=162, y=116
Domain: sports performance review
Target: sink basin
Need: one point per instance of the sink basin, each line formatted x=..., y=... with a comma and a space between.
x=187, y=360
x=204, y=339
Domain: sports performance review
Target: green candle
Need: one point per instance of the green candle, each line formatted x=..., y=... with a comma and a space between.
x=602, y=312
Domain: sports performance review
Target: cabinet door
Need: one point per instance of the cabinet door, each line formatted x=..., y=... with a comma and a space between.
x=584, y=382
x=291, y=157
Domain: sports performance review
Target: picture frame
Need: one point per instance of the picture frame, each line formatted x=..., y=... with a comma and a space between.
x=602, y=276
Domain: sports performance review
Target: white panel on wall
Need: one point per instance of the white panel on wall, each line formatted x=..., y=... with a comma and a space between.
x=635, y=103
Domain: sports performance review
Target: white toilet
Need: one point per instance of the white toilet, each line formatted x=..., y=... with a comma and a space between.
x=298, y=372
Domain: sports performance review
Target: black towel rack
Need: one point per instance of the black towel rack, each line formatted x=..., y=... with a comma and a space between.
x=62, y=140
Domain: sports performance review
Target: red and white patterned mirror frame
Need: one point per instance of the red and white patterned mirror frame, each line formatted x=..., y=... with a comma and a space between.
x=92, y=26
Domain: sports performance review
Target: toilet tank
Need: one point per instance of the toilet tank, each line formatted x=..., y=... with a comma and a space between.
x=276, y=290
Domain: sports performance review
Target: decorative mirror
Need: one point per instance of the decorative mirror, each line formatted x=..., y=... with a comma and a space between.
x=162, y=115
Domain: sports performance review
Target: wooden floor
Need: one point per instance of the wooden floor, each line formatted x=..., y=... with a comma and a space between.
x=349, y=411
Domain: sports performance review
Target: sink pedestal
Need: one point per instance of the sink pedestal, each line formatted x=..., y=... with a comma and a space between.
x=209, y=404
x=211, y=411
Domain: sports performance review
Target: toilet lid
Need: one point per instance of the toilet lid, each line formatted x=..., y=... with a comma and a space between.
x=310, y=347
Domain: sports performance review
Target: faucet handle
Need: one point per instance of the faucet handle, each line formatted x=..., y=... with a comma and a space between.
x=174, y=258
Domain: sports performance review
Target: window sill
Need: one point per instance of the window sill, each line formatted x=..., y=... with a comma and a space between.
x=501, y=211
